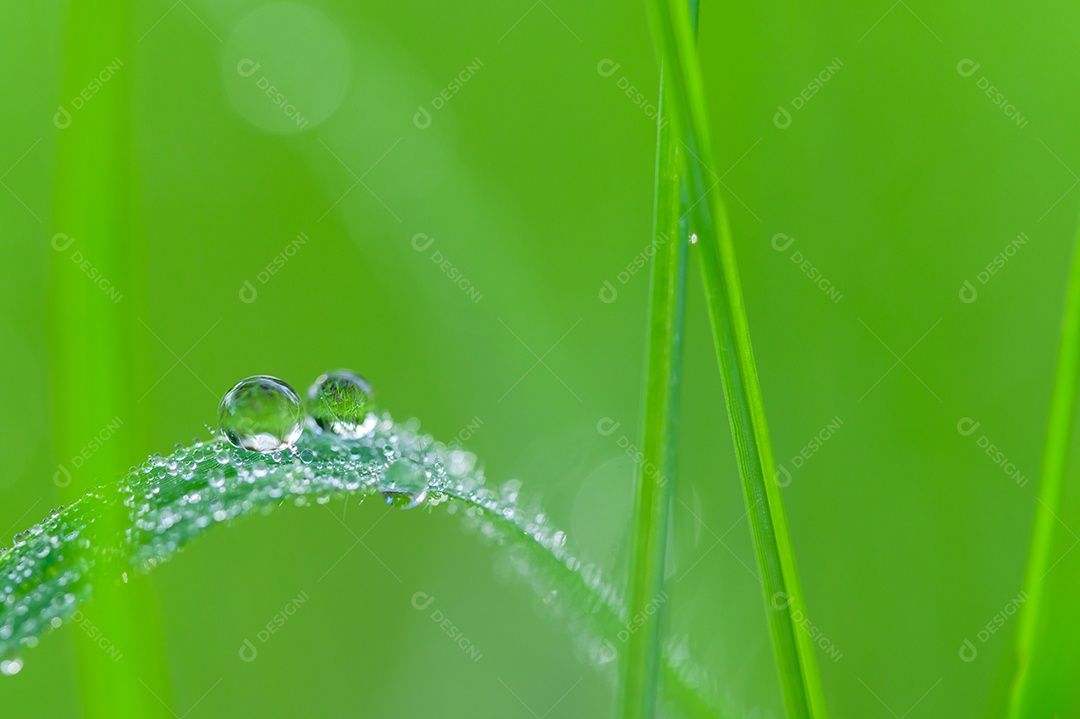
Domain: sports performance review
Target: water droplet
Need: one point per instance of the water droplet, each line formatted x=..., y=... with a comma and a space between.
x=11, y=667
x=407, y=480
x=261, y=413
x=341, y=402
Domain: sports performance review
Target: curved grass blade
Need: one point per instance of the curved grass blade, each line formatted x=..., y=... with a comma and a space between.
x=794, y=650
x=59, y=564
x=1045, y=683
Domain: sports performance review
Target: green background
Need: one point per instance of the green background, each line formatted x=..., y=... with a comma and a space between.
x=899, y=180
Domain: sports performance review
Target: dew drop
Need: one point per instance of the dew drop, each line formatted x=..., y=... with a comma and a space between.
x=408, y=481
x=341, y=403
x=261, y=413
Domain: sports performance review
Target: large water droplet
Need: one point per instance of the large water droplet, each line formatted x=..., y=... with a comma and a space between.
x=341, y=402
x=261, y=413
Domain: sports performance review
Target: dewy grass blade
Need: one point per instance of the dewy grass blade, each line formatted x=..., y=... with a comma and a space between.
x=1032, y=693
x=169, y=501
x=797, y=664
x=653, y=496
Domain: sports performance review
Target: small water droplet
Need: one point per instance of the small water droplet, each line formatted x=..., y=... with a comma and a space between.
x=341, y=403
x=407, y=480
x=510, y=490
x=261, y=413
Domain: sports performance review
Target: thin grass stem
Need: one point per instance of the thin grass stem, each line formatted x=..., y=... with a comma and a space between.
x=794, y=650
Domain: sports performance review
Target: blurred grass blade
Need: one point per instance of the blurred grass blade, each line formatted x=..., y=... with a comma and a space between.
x=1046, y=650
x=797, y=664
x=654, y=490
x=93, y=331
x=169, y=501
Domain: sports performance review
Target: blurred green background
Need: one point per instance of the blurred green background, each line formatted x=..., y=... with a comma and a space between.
x=899, y=178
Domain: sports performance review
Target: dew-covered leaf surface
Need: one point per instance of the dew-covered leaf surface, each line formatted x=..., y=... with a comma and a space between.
x=168, y=500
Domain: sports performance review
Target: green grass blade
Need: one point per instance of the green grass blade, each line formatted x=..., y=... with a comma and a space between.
x=1040, y=684
x=794, y=650
x=94, y=311
x=655, y=488
x=653, y=496
x=169, y=501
